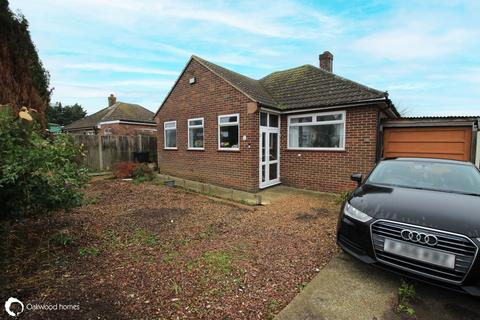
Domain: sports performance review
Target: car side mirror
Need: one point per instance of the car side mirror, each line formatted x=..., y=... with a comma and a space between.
x=357, y=177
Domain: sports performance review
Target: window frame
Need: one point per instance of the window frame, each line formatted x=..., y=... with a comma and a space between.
x=315, y=122
x=165, y=135
x=195, y=126
x=230, y=124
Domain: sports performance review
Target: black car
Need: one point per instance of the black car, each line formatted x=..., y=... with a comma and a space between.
x=419, y=218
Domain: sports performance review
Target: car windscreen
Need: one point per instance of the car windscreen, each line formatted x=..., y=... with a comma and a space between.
x=439, y=176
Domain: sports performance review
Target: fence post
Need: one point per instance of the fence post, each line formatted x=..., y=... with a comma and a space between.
x=100, y=152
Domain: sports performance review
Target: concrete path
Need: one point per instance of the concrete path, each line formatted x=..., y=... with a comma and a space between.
x=348, y=289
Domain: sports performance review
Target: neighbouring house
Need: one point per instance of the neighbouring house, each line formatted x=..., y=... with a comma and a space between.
x=304, y=127
x=119, y=118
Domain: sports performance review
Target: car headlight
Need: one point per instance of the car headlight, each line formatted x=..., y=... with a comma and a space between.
x=356, y=214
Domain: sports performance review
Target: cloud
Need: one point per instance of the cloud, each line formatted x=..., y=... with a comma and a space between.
x=119, y=68
x=470, y=75
x=285, y=19
x=79, y=91
x=408, y=86
x=409, y=43
x=420, y=51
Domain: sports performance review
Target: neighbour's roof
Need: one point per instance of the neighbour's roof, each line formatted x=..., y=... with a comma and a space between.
x=297, y=88
x=118, y=111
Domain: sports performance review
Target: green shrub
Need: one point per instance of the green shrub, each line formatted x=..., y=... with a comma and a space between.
x=37, y=174
x=142, y=173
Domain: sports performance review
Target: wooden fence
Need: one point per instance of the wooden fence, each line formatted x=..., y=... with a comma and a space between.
x=103, y=152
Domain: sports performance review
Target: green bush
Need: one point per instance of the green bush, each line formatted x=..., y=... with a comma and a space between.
x=37, y=174
x=142, y=173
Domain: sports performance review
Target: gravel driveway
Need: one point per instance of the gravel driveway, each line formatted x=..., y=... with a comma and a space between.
x=148, y=251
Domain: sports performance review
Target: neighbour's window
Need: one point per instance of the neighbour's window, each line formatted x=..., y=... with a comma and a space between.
x=195, y=134
x=319, y=131
x=170, y=134
x=229, y=132
x=107, y=131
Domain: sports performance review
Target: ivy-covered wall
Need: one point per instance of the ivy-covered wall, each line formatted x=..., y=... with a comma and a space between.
x=24, y=81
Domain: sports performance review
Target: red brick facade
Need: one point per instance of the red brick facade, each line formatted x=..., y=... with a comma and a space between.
x=330, y=171
x=211, y=96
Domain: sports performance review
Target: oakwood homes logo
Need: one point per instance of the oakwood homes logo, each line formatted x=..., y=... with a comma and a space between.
x=10, y=303
x=12, y=306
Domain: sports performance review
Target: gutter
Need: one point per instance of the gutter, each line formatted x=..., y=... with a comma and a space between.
x=149, y=123
x=338, y=106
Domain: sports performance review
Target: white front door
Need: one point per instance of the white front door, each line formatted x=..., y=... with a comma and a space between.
x=269, y=149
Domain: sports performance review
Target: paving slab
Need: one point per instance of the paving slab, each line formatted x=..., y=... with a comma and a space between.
x=349, y=289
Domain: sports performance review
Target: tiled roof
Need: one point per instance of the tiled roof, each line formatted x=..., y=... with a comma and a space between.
x=251, y=87
x=118, y=111
x=302, y=87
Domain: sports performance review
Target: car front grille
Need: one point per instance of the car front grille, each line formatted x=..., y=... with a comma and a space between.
x=464, y=249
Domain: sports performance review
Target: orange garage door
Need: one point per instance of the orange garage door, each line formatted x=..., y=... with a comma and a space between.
x=432, y=142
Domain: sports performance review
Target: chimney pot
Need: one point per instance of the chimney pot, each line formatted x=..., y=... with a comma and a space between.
x=326, y=61
x=112, y=100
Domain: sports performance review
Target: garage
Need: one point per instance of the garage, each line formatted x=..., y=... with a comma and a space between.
x=446, y=138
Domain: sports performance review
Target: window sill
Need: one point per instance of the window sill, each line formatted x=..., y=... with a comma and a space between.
x=317, y=149
x=170, y=148
x=229, y=149
x=196, y=149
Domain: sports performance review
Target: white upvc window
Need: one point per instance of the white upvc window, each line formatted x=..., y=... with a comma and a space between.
x=317, y=131
x=195, y=134
x=170, y=135
x=229, y=132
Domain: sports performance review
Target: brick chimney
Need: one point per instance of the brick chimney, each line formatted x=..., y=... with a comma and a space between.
x=326, y=61
x=112, y=100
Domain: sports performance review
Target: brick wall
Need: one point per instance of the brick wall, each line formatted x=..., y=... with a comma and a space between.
x=330, y=170
x=209, y=97
x=124, y=129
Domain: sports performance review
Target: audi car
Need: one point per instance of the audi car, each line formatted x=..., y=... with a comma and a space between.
x=419, y=218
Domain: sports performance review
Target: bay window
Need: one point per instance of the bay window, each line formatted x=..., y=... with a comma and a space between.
x=317, y=131
x=229, y=132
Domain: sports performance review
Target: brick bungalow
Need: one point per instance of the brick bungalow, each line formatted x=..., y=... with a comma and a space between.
x=119, y=118
x=304, y=127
